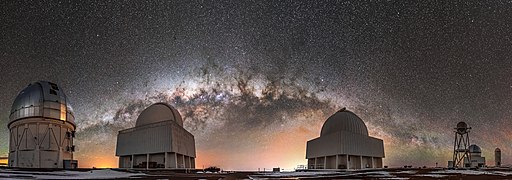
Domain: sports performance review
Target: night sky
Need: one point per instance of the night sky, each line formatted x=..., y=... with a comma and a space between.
x=255, y=80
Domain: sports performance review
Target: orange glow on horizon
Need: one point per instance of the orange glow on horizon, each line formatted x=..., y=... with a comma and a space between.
x=99, y=162
x=3, y=161
x=285, y=150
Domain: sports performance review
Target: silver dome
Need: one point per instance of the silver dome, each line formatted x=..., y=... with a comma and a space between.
x=475, y=149
x=344, y=120
x=44, y=100
x=159, y=112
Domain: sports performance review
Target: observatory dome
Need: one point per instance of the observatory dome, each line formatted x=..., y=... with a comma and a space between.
x=42, y=99
x=474, y=149
x=344, y=120
x=158, y=112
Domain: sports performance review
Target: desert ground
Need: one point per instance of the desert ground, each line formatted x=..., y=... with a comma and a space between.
x=391, y=173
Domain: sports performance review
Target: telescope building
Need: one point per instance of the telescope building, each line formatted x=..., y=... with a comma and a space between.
x=344, y=144
x=41, y=128
x=158, y=140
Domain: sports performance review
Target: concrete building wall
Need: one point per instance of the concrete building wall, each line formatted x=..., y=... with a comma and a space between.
x=345, y=143
x=165, y=136
x=318, y=147
x=353, y=151
x=40, y=143
x=153, y=138
x=183, y=141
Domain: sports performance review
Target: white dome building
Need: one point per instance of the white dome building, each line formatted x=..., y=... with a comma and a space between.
x=475, y=157
x=158, y=140
x=344, y=144
x=41, y=128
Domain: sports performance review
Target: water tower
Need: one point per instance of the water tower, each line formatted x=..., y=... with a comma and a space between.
x=461, y=144
x=497, y=157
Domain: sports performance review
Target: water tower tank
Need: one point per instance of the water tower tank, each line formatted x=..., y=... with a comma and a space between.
x=462, y=127
x=41, y=128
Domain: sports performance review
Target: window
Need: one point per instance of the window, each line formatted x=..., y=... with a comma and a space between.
x=52, y=91
x=62, y=112
x=54, y=86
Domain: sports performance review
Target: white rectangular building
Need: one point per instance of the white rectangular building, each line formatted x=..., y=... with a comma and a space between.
x=157, y=141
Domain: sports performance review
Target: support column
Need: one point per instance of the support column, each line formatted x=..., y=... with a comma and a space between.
x=176, y=159
x=37, y=157
x=373, y=164
x=187, y=162
x=337, y=163
x=361, y=161
x=325, y=162
x=313, y=165
x=184, y=163
x=165, y=160
x=133, y=159
x=147, y=161
x=17, y=157
x=17, y=147
x=348, y=165
x=193, y=162
x=38, y=152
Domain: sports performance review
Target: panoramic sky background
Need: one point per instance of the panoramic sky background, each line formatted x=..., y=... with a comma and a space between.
x=255, y=80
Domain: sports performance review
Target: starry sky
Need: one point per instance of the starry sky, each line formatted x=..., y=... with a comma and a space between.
x=255, y=80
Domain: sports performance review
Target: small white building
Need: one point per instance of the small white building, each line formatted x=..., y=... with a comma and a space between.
x=158, y=140
x=476, y=159
x=344, y=144
x=497, y=157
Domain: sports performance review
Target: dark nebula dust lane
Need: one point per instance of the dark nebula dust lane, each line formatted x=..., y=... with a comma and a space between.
x=254, y=80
